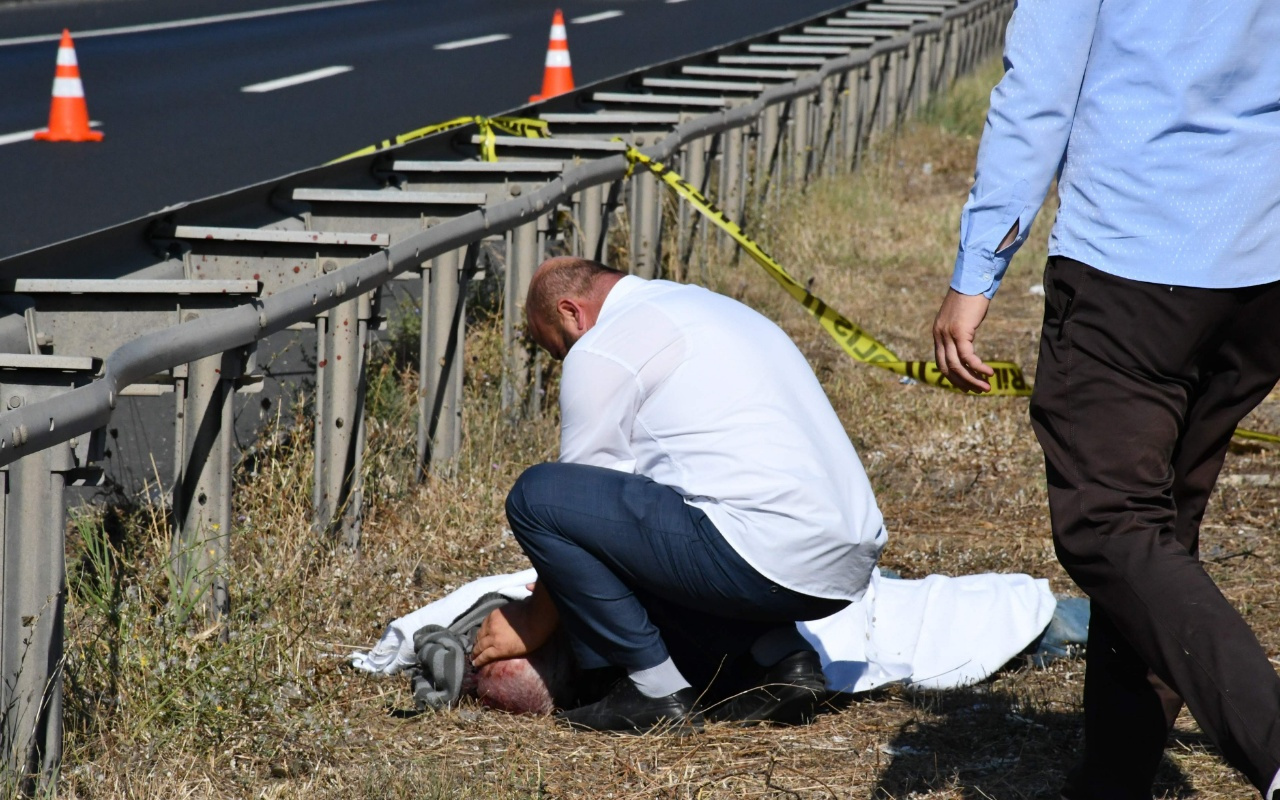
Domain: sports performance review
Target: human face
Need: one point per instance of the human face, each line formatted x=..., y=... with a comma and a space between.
x=558, y=335
x=549, y=336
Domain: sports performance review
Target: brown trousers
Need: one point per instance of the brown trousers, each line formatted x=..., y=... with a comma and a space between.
x=1138, y=390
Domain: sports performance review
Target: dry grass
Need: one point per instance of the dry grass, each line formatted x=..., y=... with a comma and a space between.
x=158, y=708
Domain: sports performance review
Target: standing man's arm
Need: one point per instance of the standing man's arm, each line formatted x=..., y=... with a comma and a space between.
x=1023, y=145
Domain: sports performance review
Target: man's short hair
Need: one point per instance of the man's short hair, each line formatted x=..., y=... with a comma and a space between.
x=563, y=277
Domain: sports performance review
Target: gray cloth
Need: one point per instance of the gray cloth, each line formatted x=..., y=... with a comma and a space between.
x=444, y=655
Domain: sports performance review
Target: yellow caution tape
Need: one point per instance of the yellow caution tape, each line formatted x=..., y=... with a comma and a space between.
x=1007, y=381
x=515, y=126
x=1257, y=436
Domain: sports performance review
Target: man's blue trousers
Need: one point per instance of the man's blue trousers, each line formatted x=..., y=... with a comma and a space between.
x=638, y=574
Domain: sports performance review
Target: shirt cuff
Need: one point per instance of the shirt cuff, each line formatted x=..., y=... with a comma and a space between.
x=977, y=274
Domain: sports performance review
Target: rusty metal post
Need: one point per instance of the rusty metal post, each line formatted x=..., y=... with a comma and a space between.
x=202, y=489
x=32, y=576
x=646, y=225
x=591, y=222
x=439, y=364
x=732, y=170
x=340, y=384
x=695, y=172
x=767, y=155
x=522, y=260
x=801, y=140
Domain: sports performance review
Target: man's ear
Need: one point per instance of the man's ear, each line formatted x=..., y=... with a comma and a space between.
x=572, y=313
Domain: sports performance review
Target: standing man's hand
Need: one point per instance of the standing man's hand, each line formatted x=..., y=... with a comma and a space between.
x=516, y=629
x=954, y=330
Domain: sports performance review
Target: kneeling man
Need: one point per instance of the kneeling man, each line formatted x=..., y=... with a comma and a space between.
x=706, y=499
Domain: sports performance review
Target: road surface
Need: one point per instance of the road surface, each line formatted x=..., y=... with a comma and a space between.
x=170, y=89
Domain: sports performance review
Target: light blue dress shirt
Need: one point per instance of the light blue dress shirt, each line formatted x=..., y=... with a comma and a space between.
x=1163, y=119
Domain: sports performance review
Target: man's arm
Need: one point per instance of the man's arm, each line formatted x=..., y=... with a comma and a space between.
x=1023, y=144
x=516, y=629
x=599, y=399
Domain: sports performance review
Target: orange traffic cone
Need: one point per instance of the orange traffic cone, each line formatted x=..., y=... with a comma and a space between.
x=557, y=76
x=68, y=115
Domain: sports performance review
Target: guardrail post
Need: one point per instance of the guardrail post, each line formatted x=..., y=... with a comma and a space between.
x=32, y=579
x=801, y=144
x=850, y=106
x=694, y=169
x=202, y=487
x=910, y=60
x=440, y=360
x=537, y=359
x=893, y=90
x=969, y=39
x=679, y=267
x=33, y=618
x=590, y=223
x=340, y=384
x=997, y=15
x=830, y=113
x=646, y=225
x=783, y=161
x=933, y=71
x=732, y=168
x=522, y=260
x=950, y=50
x=882, y=96
x=767, y=155
x=920, y=73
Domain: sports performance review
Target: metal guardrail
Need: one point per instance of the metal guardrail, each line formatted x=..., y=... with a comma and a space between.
x=312, y=250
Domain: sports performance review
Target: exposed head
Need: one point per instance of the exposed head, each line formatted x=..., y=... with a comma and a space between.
x=565, y=297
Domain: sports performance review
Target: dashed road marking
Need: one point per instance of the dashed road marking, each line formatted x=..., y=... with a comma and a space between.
x=26, y=136
x=493, y=37
x=597, y=17
x=294, y=80
x=186, y=23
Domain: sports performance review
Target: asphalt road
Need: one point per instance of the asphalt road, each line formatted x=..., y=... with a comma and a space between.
x=179, y=127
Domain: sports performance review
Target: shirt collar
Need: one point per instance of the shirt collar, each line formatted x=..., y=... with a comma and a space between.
x=620, y=290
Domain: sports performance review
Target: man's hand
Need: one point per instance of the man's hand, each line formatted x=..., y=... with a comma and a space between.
x=516, y=629
x=953, y=334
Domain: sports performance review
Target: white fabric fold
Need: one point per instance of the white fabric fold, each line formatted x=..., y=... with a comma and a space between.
x=935, y=633
x=394, y=651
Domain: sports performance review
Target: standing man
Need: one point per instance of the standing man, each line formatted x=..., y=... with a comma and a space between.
x=1161, y=331
x=706, y=499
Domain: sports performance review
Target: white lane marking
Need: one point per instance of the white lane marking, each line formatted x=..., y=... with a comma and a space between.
x=669, y=2
x=186, y=23
x=493, y=37
x=294, y=80
x=598, y=17
x=26, y=136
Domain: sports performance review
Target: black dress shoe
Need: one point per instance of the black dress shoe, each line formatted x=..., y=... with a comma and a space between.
x=627, y=710
x=787, y=694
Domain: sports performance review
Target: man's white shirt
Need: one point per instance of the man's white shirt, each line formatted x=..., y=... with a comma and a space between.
x=700, y=393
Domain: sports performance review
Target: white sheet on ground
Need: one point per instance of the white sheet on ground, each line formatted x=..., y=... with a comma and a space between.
x=934, y=633
x=394, y=651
